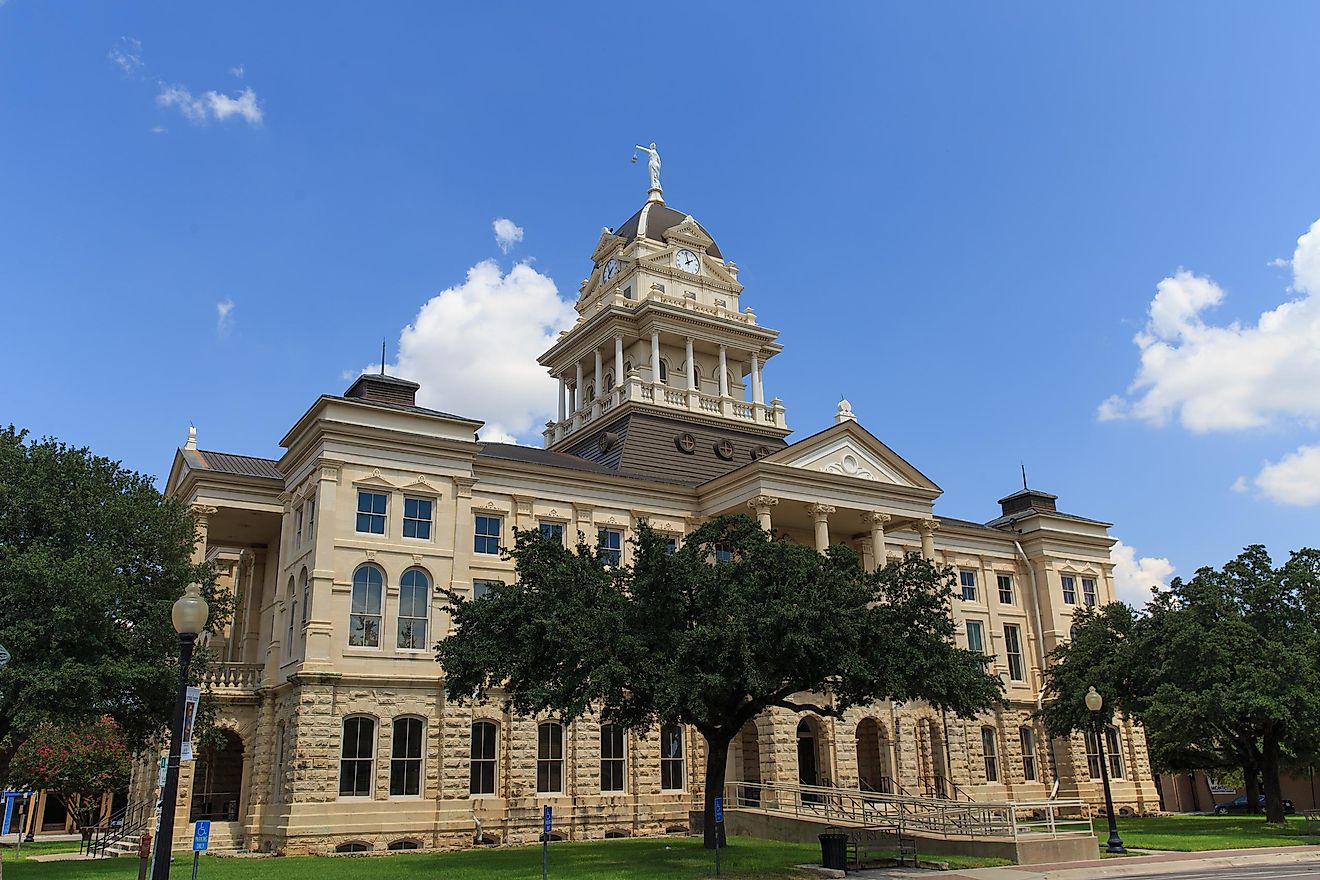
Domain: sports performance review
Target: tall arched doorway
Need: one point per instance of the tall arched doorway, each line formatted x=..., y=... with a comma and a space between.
x=812, y=769
x=931, y=759
x=748, y=768
x=874, y=771
x=218, y=779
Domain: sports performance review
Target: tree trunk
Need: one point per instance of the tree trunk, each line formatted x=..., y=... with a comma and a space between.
x=1251, y=782
x=1270, y=772
x=717, y=757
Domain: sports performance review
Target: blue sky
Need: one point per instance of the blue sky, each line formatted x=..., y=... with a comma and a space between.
x=959, y=216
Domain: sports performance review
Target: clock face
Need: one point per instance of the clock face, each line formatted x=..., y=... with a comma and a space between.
x=611, y=269
x=687, y=261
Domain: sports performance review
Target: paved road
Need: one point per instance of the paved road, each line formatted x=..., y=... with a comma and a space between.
x=1243, y=872
x=1274, y=864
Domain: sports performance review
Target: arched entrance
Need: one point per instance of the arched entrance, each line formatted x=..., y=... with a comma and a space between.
x=812, y=770
x=931, y=761
x=218, y=780
x=748, y=768
x=874, y=770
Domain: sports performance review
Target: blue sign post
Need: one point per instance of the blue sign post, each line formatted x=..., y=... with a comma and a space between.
x=201, y=839
x=545, y=843
x=719, y=827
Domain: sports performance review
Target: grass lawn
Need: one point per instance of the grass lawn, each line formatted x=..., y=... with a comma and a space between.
x=35, y=848
x=673, y=858
x=1198, y=833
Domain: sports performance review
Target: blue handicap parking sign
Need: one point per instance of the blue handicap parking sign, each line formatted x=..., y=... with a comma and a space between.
x=548, y=814
x=719, y=810
x=201, y=835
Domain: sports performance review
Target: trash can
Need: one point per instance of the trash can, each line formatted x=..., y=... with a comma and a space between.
x=834, y=850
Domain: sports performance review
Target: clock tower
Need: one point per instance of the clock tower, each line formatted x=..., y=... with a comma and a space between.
x=662, y=372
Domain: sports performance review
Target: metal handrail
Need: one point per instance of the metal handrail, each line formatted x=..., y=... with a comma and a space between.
x=131, y=819
x=906, y=814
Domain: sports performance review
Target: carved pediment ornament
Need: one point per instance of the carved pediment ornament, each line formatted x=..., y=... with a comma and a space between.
x=371, y=555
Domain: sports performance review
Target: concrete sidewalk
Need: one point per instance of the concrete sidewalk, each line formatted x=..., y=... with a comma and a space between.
x=1129, y=866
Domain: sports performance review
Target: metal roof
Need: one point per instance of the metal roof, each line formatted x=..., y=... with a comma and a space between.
x=228, y=463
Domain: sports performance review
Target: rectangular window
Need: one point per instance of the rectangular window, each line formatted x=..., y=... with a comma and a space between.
x=671, y=544
x=1069, y=589
x=550, y=757
x=297, y=528
x=371, y=512
x=1005, y=583
x=1013, y=649
x=975, y=637
x=968, y=581
x=723, y=553
x=311, y=519
x=356, y=757
x=990, y=748
x=1088, y=592
x=487, y=536
x=1028, y=739
x=1113, y=753
x=552, y=530
x=609, y=544
x=671, y=758
x=406, y=757
x=483, y=588
x=611, y=757
x=481, y=779
x=417, y=518
x=1092, y=754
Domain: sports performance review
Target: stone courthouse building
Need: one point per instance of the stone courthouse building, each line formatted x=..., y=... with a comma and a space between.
x=338, y=732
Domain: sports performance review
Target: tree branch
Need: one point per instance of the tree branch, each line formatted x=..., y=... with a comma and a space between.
x=808, y=707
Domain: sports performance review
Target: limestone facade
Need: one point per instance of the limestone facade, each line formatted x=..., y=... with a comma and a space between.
x=340, y=730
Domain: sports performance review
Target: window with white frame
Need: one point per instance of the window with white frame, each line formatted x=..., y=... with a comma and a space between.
x=365, y=610
x=306, y=598
x=552, y=530
x=481, y=758
x=311, y=518
x=406, y=757
x=609, y=545
x=1028, y=739
x=1088, y=592
x=417, y=518
x=371, y=512
x=414, y=610
x=612, y=737
x=357, y=756
x=1092, y=753
x=550, y=757
x=482, y=588
x=1005, y=584
x=1069, y=589
x=990, y=751
x=298, y=526
x=968, y=581
x=1013, y=651
x=975, y=636
x=671, y=758
x=290, y=609
x=486, y=537
x=1113, y=753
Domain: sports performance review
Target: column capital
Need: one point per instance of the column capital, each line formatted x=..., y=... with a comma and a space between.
x=202, y=511
x=820, y=512
x=927, y=527
x=762, y=503
x=876, y=518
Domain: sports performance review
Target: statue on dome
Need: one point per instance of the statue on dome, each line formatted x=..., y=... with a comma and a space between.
x=652, y=163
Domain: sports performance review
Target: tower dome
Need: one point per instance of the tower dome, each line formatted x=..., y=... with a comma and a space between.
x=653, y=220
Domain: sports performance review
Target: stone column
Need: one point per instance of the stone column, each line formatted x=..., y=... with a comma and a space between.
x=563, y=390
x=203, y=514
x=618, y=360
x=692, y=366
x=762, y=505
x=577, y=390
x=655, y=357
x=724, y=373
x=876, y=520
x=758, y=393
x=926, y=528
x=596, y=390
x=821, y=514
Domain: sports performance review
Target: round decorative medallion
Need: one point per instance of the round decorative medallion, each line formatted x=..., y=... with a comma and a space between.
x=685, y=442
x=849, y=464
x=760, y=452
x=724, y=449
x=607, y=440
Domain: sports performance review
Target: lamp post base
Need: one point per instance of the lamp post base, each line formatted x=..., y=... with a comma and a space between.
x=1115, y=844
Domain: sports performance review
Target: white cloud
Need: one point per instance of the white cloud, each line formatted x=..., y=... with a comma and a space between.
x=1239, y=485
x=473, y=349
x=127, y=54
x=507, y=233
x=1133, y=577
x=211, y=105
x=1279, y=263
x=159, y=129
x=237, y=71
x=224, y=316
x=1293, y=479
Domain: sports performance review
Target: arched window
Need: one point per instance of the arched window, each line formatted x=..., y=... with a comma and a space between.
x=354, y=847
x=550, y=757
x=406, y=757
x=481, y=776
x=414, y=608
x=671, y=758
x=591, y=393
x=609, y=379
x=990, y=751
x=612, y=737
x=290, y=609
x=1113, y=752
x=365, y=613
x=404, y=844
x=664, y=371
x=306, y=597
x=357, y=756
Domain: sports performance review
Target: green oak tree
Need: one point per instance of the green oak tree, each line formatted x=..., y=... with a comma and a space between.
x=1222, y=670
x=710, y=635
x=92, y=557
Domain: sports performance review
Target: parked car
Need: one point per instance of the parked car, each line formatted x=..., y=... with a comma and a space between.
x=1239, y=805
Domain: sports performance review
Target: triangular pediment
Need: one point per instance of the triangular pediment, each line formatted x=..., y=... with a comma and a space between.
x=849, y=450
x=607, y=242
x=688, y=232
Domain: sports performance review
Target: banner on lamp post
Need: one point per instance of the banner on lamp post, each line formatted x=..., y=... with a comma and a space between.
x=189, y=717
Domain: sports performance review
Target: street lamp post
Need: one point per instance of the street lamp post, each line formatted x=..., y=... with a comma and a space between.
x=189, y=615
x=1093, y=702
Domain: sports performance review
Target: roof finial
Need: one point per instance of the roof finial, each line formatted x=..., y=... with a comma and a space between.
x=844, y=413
x=653, y=166
x=382, y=355
x=1024, y=475
x=192, y=437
